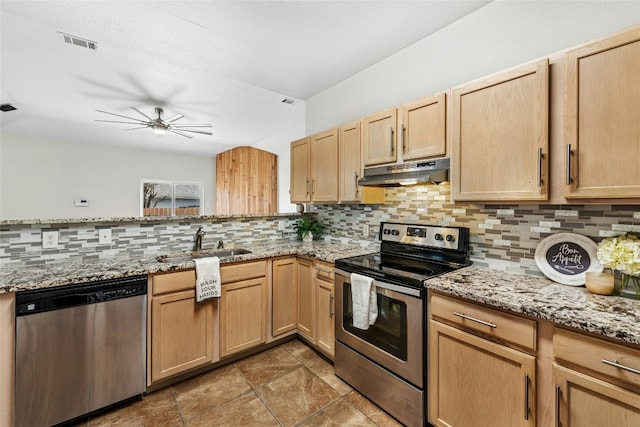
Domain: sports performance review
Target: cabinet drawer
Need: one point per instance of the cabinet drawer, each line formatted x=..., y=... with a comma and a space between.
x=174, y=282
x=597, y=355
x=324, y=271
x=489, y=322
x=245, y=271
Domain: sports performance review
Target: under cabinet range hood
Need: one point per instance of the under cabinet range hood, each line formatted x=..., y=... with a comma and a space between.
x=411, y=173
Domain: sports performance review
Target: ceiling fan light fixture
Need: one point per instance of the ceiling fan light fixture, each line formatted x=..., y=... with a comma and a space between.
x=159, y=129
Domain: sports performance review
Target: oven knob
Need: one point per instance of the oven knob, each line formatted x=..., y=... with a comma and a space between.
x=394, y=232
x=438, y=236
x=450, y=238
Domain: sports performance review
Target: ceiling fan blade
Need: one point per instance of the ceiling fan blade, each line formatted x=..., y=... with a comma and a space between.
x=142, y=127
x=189, y=130
x=174, y=118
x=127, y=123
x=180, y=133
x=120, y=115
x=193, y=126
x=140, y=112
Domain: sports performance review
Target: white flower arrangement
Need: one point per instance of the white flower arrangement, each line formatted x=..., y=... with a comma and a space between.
x=622, y=253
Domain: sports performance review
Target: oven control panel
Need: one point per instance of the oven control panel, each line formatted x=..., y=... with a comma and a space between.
x=421, y=235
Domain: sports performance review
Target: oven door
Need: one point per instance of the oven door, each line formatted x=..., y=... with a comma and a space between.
x=395, y=340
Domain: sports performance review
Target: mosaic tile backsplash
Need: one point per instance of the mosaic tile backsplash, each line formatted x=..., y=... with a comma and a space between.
x=503, y=237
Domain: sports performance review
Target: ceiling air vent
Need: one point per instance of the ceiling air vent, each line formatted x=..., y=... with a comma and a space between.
x=289, y=101
x=68, y=38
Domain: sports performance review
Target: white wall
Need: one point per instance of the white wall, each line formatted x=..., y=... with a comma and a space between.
x=279, y=145
x=41, y=179
x=497, y=36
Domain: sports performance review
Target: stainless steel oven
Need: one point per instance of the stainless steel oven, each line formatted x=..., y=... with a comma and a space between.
x=387, y=361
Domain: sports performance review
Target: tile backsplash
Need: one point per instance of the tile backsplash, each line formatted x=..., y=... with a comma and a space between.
x=502, y=236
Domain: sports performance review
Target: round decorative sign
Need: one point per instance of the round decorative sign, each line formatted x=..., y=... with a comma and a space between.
x=566, y=257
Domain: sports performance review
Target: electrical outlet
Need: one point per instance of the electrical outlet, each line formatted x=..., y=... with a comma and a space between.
x=365, y=230
x=281, y=225
x=104, y=236
x=49, y=239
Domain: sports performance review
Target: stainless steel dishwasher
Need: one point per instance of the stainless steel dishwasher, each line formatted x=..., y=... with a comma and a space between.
x=79, y=348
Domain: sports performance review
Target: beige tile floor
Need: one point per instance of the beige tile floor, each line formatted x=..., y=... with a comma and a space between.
x=288, y=385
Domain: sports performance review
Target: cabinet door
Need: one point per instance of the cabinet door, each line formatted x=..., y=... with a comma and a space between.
x=584, y=401
x=182, y=334
x=324, y=166
x=325, y=332
x=602, y=118
x=350, y=148
x=285, y=296
x=474, y=382
x=306, y=300
x=422, y=132
x=243, y=315
x=379, y=138
x=300, y=171
x=499, y=132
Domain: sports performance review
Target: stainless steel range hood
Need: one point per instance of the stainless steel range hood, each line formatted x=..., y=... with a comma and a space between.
x=406, y=173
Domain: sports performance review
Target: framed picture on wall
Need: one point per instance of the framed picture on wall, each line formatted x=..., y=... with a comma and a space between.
x=170, y=198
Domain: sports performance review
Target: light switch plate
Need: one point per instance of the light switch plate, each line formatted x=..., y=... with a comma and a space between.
x=365, y=230
x=49, y=239
x=281, y=225
x=104, y=236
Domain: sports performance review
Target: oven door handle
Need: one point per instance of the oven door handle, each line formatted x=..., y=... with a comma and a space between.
x=384, y=285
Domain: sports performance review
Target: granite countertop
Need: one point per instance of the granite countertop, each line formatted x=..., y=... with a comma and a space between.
x=538, y=297
x=21, y=278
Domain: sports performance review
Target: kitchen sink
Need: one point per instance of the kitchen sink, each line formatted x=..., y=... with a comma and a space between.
x=176, y=259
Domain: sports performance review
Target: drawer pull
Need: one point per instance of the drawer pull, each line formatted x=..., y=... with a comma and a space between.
x=331, y=305
x=621, y=366
x=526, y=397
x=473, y=319
x=558, y=392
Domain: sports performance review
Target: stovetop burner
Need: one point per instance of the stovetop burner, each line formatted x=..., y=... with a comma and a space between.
x=412, y=253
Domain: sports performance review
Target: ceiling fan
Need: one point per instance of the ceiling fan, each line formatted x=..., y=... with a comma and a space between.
x=159, y=125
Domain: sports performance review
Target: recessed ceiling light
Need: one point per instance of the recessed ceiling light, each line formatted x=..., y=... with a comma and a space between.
x=7, y=107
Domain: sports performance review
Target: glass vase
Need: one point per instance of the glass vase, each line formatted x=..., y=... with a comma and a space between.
x=628, y=286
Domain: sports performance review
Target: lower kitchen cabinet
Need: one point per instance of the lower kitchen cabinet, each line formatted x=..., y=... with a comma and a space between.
x=475, y=379
x=243, y=315
x=474, y=382
x=284, y=296
x=600, y=384
x=325, y=319
x=306, y=300
x=182, y=331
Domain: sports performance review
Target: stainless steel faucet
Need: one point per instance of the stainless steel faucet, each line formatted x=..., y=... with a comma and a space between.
x=197, y=245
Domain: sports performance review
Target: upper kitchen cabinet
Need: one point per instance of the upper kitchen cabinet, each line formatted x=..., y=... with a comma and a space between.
x=246, y=182
x=379, y=138
x=422, y=128
x=324, y=166
x=602, y=118
x=300, y=170
x=314, y=168
x=499, y=136
x=350, y=171
x=415, y=130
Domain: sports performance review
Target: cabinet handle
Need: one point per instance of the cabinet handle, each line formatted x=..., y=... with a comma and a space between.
x=526, y=397
x=391, y=138
x=558, y=392
x=356, y=176
x=402, y=135
x=330, y=305
x=621, y=366
x=307, y=186
x=568, y=178
x=313, y=186
x=473, y=319
x=539, y=166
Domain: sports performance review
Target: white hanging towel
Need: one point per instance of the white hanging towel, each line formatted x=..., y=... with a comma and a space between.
x=207, y=278
x=364, y=300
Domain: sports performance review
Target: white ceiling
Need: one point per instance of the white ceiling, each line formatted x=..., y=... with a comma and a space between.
x=228, y=63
